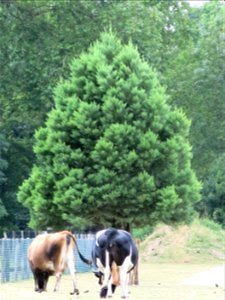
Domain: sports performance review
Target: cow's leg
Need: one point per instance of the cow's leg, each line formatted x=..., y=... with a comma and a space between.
x=36, y=283
x=36, y=288
x=106, y=270
x=58, y=279
x=105, y=292
x=107, y=279
x=127, y=264
x=70, y=264
x=124, y=282
x=59, y=264
x=38, y=280
x=34, y=272
x=109, y=288
x=114, y=279
x=46, y=277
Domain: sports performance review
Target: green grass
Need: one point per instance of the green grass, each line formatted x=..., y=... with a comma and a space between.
x=157, y=281
x=142, y=232
x=168, y=256
x=201, y=241
x=211, y=224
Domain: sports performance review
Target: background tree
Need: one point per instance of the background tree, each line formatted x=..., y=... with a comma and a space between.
x=112, y=151
x=39, y=39
x=36, y=45
x=37, y=42
x=213, y=193
x=3, y=167
x=199, y=90
x=196, y=83
x=210, y=90
x=208, y=79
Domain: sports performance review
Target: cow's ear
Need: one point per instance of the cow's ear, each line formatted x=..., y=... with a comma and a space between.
x=97, y=274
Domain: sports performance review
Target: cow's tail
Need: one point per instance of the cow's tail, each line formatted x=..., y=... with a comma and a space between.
x=85, y=260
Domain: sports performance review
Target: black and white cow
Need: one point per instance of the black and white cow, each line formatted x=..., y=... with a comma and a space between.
x=115, y=254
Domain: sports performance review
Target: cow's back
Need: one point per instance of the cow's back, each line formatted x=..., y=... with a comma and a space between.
x=118, y=243
x=121, y=246
x=48, y=250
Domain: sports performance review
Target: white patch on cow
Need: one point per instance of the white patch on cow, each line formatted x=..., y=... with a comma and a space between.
x=107, y=268
x=106, y=271
x=99, y=265
x=48, y=265
x=70, y=265
x=107, y=275
x=124, y=269
x=98, y=234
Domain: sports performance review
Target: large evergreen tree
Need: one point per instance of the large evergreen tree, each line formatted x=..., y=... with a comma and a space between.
x=37, y=42
x=112, y=152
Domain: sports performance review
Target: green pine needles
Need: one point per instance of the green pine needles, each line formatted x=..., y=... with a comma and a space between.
x=113, y=152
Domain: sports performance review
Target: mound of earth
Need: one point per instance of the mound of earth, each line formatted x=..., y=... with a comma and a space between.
x=195, y=243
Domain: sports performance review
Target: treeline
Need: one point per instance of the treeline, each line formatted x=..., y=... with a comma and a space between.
x=38, y=40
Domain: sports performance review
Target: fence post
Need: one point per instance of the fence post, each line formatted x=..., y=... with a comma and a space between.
x=5, y=261
x=1, y=258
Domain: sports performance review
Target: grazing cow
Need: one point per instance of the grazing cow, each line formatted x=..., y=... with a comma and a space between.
x=114, y=254
x=50, y=254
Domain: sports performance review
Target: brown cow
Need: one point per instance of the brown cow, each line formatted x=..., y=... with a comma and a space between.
x=50, y=254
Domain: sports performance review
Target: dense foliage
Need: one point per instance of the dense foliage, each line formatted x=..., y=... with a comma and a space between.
x=3, y=167
x=213, y=193
x=200, y=89
x=38, y=40
x=112, y=151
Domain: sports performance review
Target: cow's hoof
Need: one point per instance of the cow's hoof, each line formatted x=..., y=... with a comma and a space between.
x=75, y=292
x=103, y=292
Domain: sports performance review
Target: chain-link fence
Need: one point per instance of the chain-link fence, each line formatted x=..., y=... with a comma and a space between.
x=14, y=264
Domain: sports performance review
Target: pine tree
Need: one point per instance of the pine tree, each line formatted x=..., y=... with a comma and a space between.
x=113, y=152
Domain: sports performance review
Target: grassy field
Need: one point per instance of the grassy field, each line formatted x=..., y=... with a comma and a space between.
x=157, y=281
x=194, y=244
x=169, y=256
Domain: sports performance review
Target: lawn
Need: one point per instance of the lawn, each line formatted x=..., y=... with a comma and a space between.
x=157, y=281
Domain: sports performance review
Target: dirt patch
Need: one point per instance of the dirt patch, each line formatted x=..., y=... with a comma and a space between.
x=217, y=254
x=213, y=277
